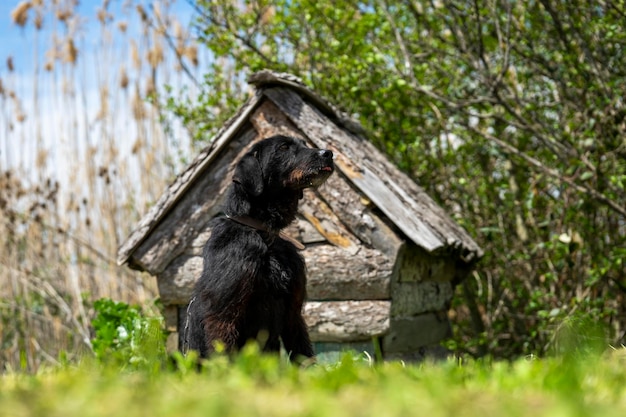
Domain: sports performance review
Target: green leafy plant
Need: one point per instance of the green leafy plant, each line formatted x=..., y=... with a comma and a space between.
x=125, y=336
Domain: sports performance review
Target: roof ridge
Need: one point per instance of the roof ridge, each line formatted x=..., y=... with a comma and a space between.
x=267, y=78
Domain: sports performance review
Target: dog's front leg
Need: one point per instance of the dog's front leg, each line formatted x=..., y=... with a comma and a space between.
x=296, y=338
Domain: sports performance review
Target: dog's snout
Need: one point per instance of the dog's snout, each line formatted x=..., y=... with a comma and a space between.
x=326, y=154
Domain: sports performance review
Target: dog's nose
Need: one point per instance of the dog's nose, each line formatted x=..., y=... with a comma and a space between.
x=326, y=154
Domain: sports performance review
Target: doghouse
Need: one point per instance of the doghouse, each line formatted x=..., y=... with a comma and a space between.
x=382, y=257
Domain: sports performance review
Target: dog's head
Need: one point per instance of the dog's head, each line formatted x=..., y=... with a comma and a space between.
x=282, y=162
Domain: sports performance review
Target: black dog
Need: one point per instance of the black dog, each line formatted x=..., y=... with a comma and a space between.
x=253, y=282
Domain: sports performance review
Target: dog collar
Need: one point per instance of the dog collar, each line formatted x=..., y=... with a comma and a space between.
x=255, y=224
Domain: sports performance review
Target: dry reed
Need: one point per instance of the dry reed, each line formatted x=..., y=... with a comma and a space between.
x=75, y=182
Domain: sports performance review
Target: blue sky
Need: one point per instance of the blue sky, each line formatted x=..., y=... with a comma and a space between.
x=18, y=42
x=47, y=128
x=13, y=40
x=26, y=47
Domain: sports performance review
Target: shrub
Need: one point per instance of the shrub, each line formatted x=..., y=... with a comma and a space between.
x=125, y=336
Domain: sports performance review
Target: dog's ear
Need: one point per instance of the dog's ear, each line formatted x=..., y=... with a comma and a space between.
x=249, y=175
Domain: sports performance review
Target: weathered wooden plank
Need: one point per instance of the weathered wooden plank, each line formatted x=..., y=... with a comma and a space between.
x=181, y=184
x=333, y=274
x=407, y=334
x=268, y=121
x=407, y=205
x=411, y=299
x=410, y=222
x=177, y=280
x=357, y=214
x=196, y=246
x=336, y=274
x=304, y=232
x=416, y=265
x=346, y=321
x=326, y=222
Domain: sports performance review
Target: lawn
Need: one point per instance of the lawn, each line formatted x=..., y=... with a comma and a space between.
x=254, y=385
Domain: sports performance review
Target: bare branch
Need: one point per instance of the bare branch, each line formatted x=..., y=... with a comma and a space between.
x=408, y=66
x=552, y=172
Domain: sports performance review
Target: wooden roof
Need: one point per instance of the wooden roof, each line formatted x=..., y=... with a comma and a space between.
x=393, y=192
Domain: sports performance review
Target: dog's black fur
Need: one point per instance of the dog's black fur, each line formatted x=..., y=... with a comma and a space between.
x=253, y=282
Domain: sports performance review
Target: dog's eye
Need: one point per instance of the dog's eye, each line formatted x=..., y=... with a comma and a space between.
x=284, y=146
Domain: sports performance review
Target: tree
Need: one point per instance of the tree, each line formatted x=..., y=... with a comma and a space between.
x=511, y=114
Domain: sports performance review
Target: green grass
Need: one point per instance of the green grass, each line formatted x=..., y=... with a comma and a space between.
x=254, y=385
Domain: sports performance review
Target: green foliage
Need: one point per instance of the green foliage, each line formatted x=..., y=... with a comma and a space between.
x=125, y=337
x=256, y=385
x=510, y=114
